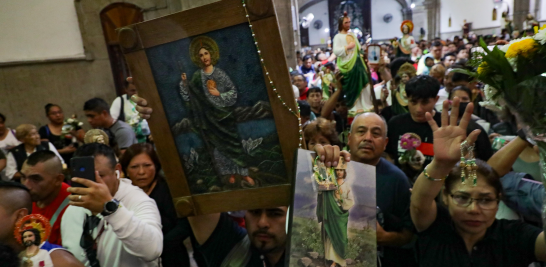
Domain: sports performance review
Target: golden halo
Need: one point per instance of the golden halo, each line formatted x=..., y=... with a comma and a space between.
x=409, y=23
x=96, y=136
x=204, y=42
x=31, y=221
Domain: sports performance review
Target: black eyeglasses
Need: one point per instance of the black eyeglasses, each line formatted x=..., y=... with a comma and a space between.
x=483, y=203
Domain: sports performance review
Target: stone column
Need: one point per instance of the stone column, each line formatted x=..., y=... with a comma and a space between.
x=433, y=18
x=407, y=13
x=521, y=9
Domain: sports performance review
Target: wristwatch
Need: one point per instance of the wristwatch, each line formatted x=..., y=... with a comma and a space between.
x=523, y=135
x=110, y=207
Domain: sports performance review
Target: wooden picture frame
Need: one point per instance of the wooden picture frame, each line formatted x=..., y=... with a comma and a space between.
x=158, y=51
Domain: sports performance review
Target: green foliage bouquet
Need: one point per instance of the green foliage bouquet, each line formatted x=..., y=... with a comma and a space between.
x=515, y=76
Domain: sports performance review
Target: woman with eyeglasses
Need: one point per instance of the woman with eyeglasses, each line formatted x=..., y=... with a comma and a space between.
x=465, y=232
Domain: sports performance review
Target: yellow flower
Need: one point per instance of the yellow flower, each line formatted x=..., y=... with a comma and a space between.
x=523, y=48
x=483, y=68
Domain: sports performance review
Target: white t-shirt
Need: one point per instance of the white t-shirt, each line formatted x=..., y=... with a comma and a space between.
x=132, y=236
x=129, y=110
x=10, y=140
x=443, y=95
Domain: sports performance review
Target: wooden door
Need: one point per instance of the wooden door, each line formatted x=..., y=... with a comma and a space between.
x=115, y=16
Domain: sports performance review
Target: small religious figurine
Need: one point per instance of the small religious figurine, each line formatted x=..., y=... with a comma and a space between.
x=30, y=231
x=96, y=136
x=466, y=28
x=530, y=23
x=356, y=87
x=324, y=176
x=506, y=23
x=333, y=214
x=328, y=80
x=406, y=43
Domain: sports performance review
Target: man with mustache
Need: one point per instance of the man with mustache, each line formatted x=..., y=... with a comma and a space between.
x=367, y=142
x=32, y=253
x=222, y=241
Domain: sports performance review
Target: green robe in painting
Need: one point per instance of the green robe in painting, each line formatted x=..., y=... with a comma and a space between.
x=213, y=119
x=334, y=221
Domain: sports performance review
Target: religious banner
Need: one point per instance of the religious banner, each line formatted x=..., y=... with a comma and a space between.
x=333, y=216
x=225, y=122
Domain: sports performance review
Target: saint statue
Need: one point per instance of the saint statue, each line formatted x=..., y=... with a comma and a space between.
x=333, y=212
x=356, y=87
x=530, y=23
x=506, y=23
x=30, y=231
x=210, y=95
x=406, y=43
x=400, y=102
x=399, y=99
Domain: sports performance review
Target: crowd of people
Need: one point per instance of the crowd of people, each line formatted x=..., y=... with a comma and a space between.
x=126, y=217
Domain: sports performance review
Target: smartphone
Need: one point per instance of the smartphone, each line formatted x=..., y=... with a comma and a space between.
x=82, y=167
x=374, y=53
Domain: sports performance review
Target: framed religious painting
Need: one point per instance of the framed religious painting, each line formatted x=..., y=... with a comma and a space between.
x=225, y=121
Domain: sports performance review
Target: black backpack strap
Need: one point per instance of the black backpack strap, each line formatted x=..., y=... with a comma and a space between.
x=121, y=116
x=44, y=145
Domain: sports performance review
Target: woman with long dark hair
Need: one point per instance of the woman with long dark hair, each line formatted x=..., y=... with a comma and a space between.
x=465, y=231
x=53, y=132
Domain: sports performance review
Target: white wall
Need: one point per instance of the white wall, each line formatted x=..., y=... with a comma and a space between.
x=542, y=12
x=320, y=11
x=382, y=30
x=478, y=12
x=39, y=30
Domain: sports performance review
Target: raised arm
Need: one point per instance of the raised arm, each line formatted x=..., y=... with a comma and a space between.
x=447, y=142
x=503, y=160
x=184, y=91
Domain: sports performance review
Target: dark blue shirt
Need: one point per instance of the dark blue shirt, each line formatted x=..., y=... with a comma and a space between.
x=393, y=198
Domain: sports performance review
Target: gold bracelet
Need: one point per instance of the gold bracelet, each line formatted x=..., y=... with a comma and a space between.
x=432, y=179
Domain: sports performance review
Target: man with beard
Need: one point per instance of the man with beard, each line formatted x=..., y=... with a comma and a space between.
x=367, y=141
x=43, y=176
x=222, y=241
x=33, y=255
x=15, y=203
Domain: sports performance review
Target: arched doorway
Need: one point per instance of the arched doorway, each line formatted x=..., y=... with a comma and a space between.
x=112, y=17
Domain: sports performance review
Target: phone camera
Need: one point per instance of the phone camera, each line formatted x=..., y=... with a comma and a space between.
x=82, y=169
